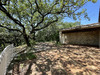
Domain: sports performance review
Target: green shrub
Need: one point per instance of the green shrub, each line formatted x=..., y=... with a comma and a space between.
x=32, y=42
x=25, y=56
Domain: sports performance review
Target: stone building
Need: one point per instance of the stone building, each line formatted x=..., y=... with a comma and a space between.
x=81, y=35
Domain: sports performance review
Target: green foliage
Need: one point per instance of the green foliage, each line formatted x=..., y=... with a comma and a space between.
x=12, y=37
x=51, y=33
x=68, y=24
x=32, y=42
x=25, y=56
x=29, y=16
x=48, y=34
x=94, y=1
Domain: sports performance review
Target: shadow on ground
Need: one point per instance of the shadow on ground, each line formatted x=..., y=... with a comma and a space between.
x=63, y=60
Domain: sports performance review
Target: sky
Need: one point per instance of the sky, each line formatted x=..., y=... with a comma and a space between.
x=93, y=13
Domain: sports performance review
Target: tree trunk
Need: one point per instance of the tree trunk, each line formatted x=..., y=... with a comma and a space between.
x=27, y=40
x=33, y=35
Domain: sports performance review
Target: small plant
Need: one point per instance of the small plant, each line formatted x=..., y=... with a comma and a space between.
x=32, y=42
x=25, y=56
x=30, y=56
x=57, y=43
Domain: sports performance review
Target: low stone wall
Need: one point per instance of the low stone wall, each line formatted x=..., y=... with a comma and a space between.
x=81, y=38
x=5, y=58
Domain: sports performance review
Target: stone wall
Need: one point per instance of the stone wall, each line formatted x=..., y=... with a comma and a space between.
x=82, y=38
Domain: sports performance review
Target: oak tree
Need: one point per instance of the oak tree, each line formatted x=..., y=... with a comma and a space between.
x=29, y=16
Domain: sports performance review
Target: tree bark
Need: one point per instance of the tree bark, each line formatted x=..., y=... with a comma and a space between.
x=27, y=40
x=33, y=35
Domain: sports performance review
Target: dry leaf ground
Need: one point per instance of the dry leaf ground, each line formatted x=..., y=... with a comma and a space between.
x=63, y=60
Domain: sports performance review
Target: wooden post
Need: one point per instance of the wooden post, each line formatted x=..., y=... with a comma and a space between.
x=99, y=38
x=62, y=37
x=99, y=16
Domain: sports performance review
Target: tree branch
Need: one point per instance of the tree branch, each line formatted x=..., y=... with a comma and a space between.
x=10, y=28
x=44, y=16
x=12, y=18
x=46, y=25
x=38, y=7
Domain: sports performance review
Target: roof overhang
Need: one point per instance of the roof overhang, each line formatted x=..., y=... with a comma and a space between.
x=89, y=27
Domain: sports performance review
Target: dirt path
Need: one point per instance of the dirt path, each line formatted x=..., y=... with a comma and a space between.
x=63, y=60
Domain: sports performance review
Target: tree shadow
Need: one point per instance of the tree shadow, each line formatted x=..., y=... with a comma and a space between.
x=46, y=62
x=44, y=67
x=43, y=47
x=59, y=72
x=48, y=67
x=29, y=71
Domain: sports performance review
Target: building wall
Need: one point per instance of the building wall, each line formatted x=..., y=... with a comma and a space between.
x=82, y=38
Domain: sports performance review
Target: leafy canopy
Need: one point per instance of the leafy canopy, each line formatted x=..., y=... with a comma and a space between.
x=29, y=16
